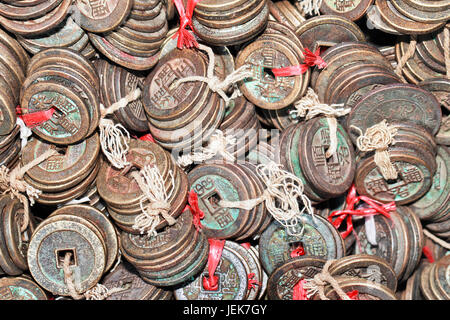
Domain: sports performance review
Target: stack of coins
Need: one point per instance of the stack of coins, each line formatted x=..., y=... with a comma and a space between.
x=90, y=197
x=66, y=35
x=241, y=122
x=229, y=182
x=433, y=281
x=399, y=241
x=170, y=258
x=13, y=63
x=433, y=207
x=285, y=13
x=116, y=83
x=237, y=263
x=412, y=16
x=440, y=88
x=13, y=241
x=10, y=146
x=122, y=194
x=277, y=47
x=65, y=176
x=125, y=277
x=303, y=148
x=371, y=276
x=84, y=233
x=65, y=82
x=353, y=69
x=21, y=288
x=352, y=10
x=185, y=115
x=136, y=43
x=230, y=22
x=413, y=156
x=428, y=60
x=328, y=30
x=319, y=239
x=31, y=18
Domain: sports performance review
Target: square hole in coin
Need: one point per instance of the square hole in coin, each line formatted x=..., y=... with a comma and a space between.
x=60, y=255
x=214, y=199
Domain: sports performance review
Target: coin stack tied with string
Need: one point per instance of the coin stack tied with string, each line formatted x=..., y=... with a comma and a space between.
x=224, y=150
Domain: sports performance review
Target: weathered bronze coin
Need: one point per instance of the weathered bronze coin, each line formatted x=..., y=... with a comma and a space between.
x=48, y=247
x=20, y=288
x=367, y=290
x=352, y=10
x=27, y=12
x=229, y=267
x=418, y=106
x=6, y=262
x=213, y=183
x=429, y=6
x=441, y=276
x=282, y=280
x=421, y=15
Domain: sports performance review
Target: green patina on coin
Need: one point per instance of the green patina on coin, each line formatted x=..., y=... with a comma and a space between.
x=208, y=189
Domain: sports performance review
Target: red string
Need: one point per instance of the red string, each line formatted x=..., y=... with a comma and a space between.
x=196, y=212
x=34, y=119
x=352, y=200
x=211, y=283
x=311, y=60
x=252, y=282
x=297, y=252
x=246, y=245
x=147, y=137
x=354, y=295
x=299, y=292
x=427, y=253
x=185, y=38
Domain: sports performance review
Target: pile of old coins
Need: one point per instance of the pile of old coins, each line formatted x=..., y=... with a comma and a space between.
x=102, y=102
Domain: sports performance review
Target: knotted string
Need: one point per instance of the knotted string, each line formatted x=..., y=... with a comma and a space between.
x=352, y=200
x=114, y=137
x=25, y=132
x=214, y=83
x=13, y=183
x=321, y=280
x=185, y=38
x=211, y=283
x=309, y=107
x=437, y=240
x=195, y=210
x=311, y=59
x=281, y=196
x=217, y=144
x=408, y=55
x=379, y=137
x=151, y=183
x=99, y=292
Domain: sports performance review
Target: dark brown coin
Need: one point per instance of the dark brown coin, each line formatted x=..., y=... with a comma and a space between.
x=280, y=285
x=20, y=288
x=352, y=10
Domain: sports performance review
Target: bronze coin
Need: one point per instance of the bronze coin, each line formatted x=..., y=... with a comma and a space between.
x=367, y=290
x=20, y=288
x=352, y=10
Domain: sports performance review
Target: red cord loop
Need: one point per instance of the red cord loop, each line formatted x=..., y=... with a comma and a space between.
x=185, y=38
x=211, y=283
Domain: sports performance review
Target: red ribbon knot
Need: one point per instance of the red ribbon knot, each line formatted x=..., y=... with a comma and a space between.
x=311, y=60
x=211, y=283
x=185, y=38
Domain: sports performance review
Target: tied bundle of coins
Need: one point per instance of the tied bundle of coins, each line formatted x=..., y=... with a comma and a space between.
x=65, y=176
x=29, y=18
x=313, y=236
x=68, y=34
x=323, y=178
x=230, y=182
x=430, y=282
x=75, y=243
x=124, y=198
x=433, y=207
x=241, y=122
x=277, y=47
x=13, y=65
x=236, y=262
x=371, y=276
x=170, y=258
x=63, y=84
x=13, y=239
x=226, y=23
x=135, y=43
x=353, y=69
x=409, y=16
x=286, y=13
x=116, y=83
x=398, y=240
x=185, y=114
x=125, y=277
x=428, y=60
